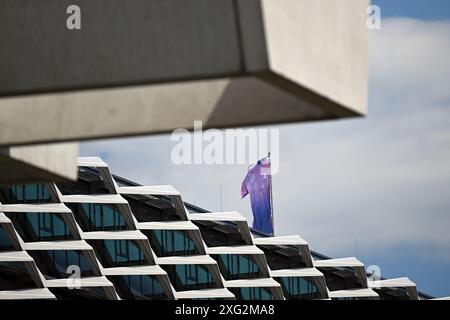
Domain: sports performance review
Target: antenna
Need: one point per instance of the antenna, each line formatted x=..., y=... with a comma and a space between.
x=220, y=190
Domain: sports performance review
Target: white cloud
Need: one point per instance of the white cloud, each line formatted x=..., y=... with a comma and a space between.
x=383, y=180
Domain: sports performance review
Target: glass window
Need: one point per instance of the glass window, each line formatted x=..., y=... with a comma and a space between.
x=233, y=266
x=283, y=257
x=89, y=182
x=5, y=240
x=218, y=234
x=90, y=293
x=138, y=287
x=15, y=276
x=152, y=208
x=393, y=293
x=98, y=217
x=252, y=293
x=297, y=288
x=26, y=193
x=190, y=277
x=40, y=226
x=117, y=253
x=171, y=243
x=54, y=264
x=121, y=182
x=341, y=278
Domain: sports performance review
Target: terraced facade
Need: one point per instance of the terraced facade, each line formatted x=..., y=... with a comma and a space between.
x=104, y=237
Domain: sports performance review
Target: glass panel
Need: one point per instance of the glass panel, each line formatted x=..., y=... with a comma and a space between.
x=98, y=217
x=26, y=193
x=121, y=183
x=15, y=276
x=138, y=287
x=54, y=263
x=40, y=226
x=171, y=243
x=341, y=278
x=299, y=288
x=392, y=293
x=152, y=208
x=190, y=277
x=89, y=182
x=283, y=257
x=5, y=241
x=218, y=234
x=252, y=293
x=91, y=293
x=116, y=253
x=234, y=266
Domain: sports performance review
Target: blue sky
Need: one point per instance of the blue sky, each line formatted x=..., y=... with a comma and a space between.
x=418, y=9
x=376, y=187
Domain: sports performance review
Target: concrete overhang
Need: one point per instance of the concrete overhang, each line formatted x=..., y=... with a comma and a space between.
x=151, y=66
x=38, y=163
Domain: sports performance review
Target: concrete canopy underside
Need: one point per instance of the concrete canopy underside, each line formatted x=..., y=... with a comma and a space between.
x=154, y=66
x=35, y=163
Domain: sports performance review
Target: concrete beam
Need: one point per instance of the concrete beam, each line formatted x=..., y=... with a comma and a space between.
x=40, y=163
x=229, y=63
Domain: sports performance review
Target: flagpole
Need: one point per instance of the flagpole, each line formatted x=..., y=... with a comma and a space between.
x=271, y=197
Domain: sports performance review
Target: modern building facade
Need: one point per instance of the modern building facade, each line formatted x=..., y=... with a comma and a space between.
x=104, y=237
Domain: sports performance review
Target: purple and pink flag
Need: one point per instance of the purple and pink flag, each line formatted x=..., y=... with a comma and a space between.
x=257, y=183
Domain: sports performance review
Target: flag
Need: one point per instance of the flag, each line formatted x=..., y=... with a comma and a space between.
x=257, y=183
